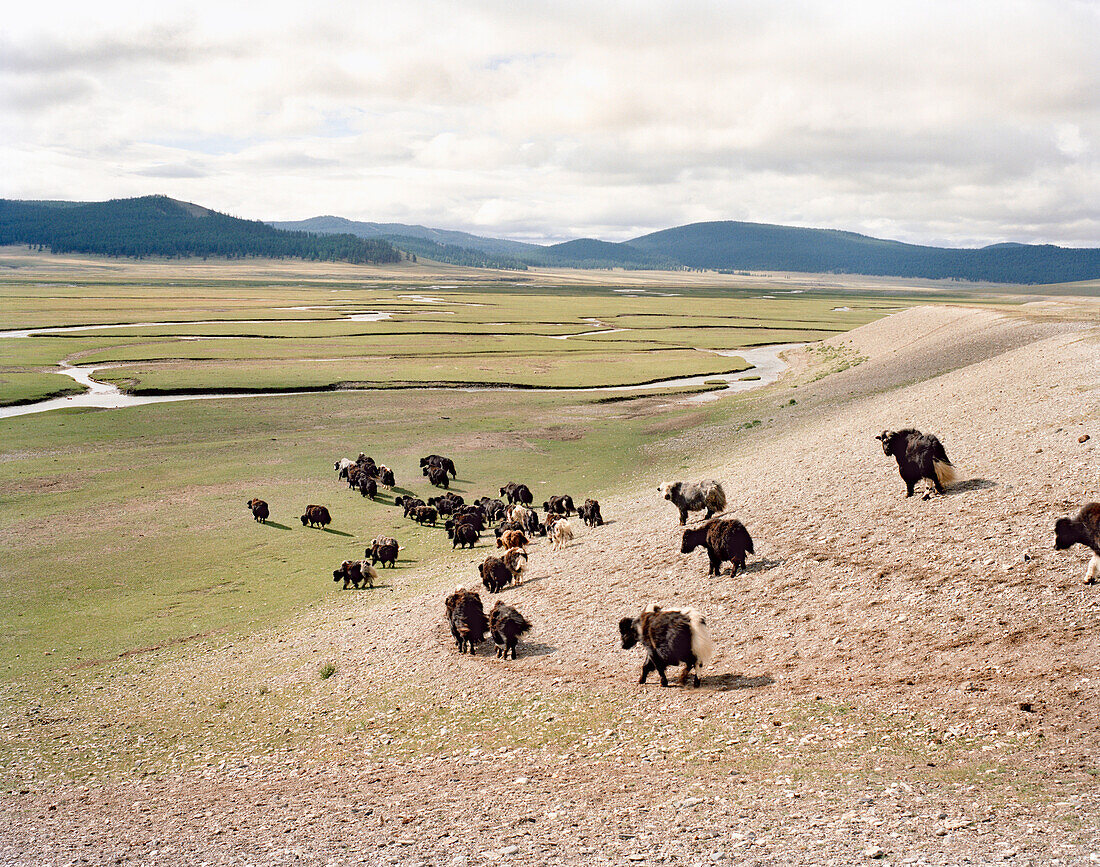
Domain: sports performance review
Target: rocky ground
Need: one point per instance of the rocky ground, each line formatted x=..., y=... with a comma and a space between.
x=898, y=680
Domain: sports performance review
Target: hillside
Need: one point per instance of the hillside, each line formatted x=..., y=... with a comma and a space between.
x=901, y=679
x=159, y=226
x=758, y=246
x=442, y=245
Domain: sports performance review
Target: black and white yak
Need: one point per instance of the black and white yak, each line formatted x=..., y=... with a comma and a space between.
x=506, y=625
x=1082, y=530
x=466, y=618
x=694, y=497
x=919, y=456
x=724, y=539
x=670, y=637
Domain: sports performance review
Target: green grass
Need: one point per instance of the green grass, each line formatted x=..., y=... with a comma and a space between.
x=22, y=386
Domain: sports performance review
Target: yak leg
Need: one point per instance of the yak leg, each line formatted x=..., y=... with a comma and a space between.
x=1093, y=572
x=683, y=516
x=715, y=564
x=512, y=643
x=646, y=669
x=661, y=672
x=909, y=488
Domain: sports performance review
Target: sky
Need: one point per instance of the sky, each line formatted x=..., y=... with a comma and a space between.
x=951, y=123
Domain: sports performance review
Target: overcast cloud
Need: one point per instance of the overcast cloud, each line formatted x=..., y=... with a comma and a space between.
x=957, y=123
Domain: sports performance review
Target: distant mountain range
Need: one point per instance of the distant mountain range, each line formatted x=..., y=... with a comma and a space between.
x=735, y=246
x=160, y=226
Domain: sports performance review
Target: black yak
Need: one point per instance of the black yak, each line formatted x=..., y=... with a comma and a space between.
x=424, y=515
x=464, y=534
x=725, y=539
x=498, y=572
x=694, y=497
x=438, y=477
x=517, y=493
x=670, y=637
x=590, y=513
x=506, y=625
x=919, y=456
x=1082, y=530
x=368, y=487
x=259, y=510
x=439, y=461
x=316, y=516
x=467, y=619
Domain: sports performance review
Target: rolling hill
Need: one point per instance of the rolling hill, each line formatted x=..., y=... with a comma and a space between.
x=760, y=246
x=160, y=226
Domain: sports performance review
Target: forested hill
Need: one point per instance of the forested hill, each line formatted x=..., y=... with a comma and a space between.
x=729, y=246
x=160, y=226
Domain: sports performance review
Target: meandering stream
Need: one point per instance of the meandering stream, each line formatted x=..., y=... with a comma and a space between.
x=103, y=395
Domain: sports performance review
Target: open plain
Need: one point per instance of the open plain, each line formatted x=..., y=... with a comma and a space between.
x=899, y=680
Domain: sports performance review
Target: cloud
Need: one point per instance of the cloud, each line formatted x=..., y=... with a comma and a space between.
x=931, y=121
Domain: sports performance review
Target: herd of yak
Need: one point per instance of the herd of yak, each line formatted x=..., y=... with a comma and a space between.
x=670, y=637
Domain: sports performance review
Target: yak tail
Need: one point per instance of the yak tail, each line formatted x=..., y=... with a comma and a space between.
x=945, y=472
x=748, y=543
x=702, y=645
x=717, y=498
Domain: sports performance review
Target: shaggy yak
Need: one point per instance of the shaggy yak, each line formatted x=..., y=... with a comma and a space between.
x=512, y=539
x=386, y=478
x=670, y=637
x=258, y=509
x=497, y=572
x=517, y=493
x=368, y=487
x=919, y=456
x=438, y=477
x=694, y=497
x=724, y=540
x=590, y=513
x=467, y=619
x=383, y=550
x=560, y=505
x=411, y=504
x=506, y=625
x=316, y=516
x=424, y=515
x=1082, y=530
x=439, y=461
x=561, y=534
x=342, y=466
x=464, y=534
x=355, y=571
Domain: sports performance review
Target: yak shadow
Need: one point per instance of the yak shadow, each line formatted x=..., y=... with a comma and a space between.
x=969, y=485
x=763, y=564
x=336, y=532
x=525, y=583
x=276, y=525
x=727, y=682
x=534, y=650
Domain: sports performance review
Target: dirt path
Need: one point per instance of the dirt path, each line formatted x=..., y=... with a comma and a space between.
x=900, y=678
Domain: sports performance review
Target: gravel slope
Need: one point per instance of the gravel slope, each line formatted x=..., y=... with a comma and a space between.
x=866, y=700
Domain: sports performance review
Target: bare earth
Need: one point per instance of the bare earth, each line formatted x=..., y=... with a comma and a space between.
x=907, y=680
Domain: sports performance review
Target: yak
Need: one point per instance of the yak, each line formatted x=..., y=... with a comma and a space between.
x=670, y=637
x=919, y=456
x=259, y=510
x=506, y=625
x=724, y=540
x=694, y=497
x=467, y=619
x=1082, y=530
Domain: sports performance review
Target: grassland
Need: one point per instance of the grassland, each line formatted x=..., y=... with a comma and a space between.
x=130, y=520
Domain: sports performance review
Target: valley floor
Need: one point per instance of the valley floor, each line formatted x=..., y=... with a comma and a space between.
x=908, y=680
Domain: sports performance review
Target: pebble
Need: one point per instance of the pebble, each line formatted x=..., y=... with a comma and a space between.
x=874, y=852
